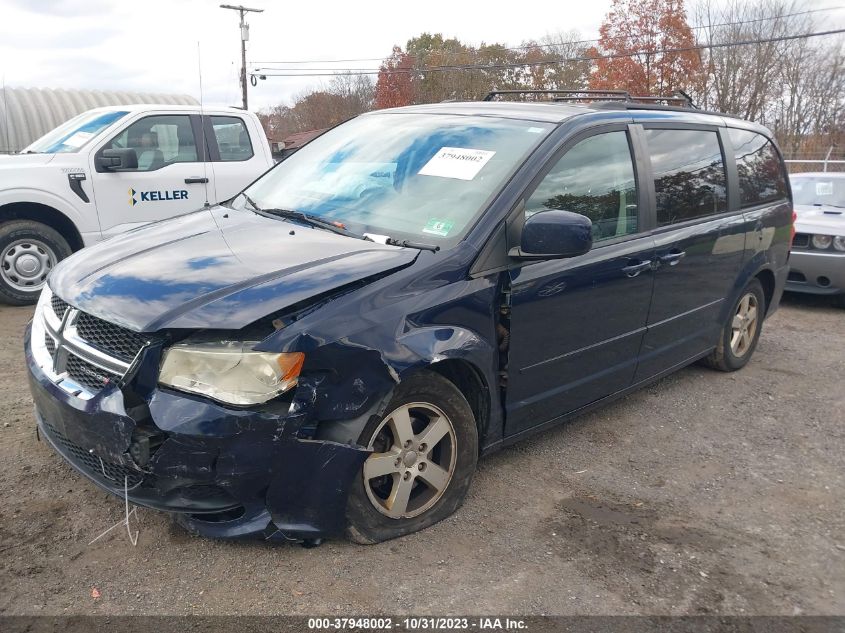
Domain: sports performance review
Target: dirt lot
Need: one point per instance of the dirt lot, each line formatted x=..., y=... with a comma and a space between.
x=706, y=493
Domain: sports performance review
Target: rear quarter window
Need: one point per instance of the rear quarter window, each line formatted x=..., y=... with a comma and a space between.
x=761, y=174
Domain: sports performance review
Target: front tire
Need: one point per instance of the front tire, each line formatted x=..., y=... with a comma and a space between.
x=424, y=455
x=741, y=333
x=28, y=252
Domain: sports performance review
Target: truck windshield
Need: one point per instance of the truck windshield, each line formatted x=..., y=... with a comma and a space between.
x=422, y=177
x=72, y=135
x=818, y=190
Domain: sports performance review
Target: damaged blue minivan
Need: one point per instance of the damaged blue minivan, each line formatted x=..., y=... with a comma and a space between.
x=332, y=350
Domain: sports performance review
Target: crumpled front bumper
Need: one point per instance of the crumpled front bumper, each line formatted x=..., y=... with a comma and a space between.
x=227, y=472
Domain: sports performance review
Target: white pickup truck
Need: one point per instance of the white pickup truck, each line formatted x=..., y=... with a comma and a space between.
x=111, y=169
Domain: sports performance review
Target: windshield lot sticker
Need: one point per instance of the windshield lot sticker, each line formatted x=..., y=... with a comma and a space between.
x=824, y=188
x=456, y=162
x=439, y=227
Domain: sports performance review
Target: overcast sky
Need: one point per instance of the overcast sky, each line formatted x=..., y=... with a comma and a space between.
x=152, y=45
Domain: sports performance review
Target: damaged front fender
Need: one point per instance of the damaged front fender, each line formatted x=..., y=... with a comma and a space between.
x=359, y=347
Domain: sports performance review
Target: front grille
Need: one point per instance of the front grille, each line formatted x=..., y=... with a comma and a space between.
x=111, y=474
x=59, y=306
x=84, y=373
x=112, y=339
x=801, y=240
x=50, y=343
x=91, y=352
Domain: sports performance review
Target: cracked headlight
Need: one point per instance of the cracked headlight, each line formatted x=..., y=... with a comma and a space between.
x=230, y=371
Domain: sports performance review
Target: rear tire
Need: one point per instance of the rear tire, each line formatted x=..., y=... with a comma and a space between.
x=408, y=484
x=741, y=333
x=28, y=252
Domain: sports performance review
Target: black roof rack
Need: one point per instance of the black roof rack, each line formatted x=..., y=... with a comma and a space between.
x=587, y=94
x=679, y=98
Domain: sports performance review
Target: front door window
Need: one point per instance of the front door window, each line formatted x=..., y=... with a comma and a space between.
x=596, y=179
x=159, y=141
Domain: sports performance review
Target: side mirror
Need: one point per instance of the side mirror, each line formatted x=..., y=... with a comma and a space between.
x=554, y=234
x=117, y=159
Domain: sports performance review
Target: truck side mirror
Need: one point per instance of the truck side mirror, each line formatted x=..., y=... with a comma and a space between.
x=554, y=234
x=117, y=159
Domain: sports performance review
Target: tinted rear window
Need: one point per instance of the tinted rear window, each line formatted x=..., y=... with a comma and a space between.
x=689, y=174
x=761, y=177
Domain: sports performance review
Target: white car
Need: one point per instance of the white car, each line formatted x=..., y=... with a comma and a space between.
x=817, y=260
x=112, y=169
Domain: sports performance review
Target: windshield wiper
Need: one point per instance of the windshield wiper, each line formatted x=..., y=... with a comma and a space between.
x=338, y=228
x=251, y=202
x=392, y=241
x=411, y=244
x=306, y=218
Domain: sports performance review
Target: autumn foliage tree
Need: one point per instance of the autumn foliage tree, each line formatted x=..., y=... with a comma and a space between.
x=633, y=48
x=394, y=86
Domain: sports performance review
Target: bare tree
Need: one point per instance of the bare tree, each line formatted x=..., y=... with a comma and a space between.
x=742, y=79
x=569, y=75
x=795, y=86
x=811, y=107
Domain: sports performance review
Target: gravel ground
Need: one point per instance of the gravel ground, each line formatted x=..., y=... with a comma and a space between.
x=705, y=493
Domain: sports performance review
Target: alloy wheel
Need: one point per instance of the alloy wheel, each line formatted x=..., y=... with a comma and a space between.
x=744, y=325
x=415, y=452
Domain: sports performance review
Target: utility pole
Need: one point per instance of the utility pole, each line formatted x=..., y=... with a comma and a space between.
x=244, y=38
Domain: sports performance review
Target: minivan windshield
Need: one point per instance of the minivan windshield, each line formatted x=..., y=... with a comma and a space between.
x=422, y=177
x=818, y=190
x=73, y=134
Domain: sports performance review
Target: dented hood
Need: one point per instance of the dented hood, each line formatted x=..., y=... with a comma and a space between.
x=216, y=268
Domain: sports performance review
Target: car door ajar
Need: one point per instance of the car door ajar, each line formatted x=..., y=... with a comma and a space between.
x=699, y=246
x=576, y=324
x=171, y=177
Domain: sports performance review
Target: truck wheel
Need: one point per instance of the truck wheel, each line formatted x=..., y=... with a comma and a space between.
x=28, y=252
x=739, y=337
x=424, y=455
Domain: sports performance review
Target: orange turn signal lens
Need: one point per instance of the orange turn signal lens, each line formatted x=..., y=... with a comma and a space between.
x=291, y=365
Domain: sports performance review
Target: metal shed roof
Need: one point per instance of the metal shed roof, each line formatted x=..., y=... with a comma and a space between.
x=28, y=113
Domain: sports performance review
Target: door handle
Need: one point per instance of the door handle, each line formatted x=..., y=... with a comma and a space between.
x=633, y=270
x=672, y=258
x=196, y=181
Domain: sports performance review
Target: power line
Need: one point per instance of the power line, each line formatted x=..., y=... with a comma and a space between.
x=530, y=46
x=549, y=62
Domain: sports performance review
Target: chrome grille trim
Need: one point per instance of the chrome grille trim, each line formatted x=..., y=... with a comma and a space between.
x=68, y=344
x=75, y=344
